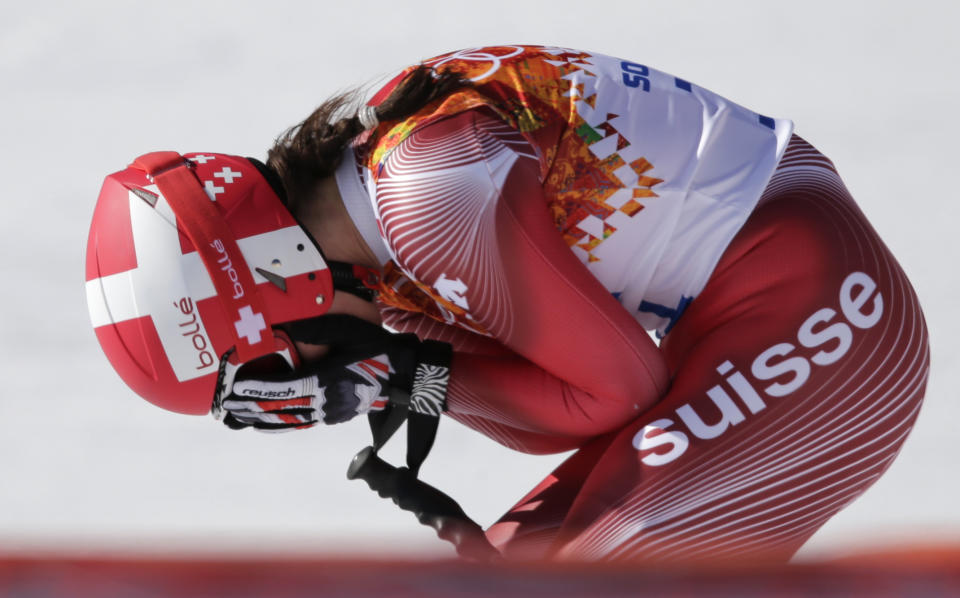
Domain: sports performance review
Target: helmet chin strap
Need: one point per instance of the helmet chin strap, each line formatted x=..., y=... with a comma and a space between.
x=357, y=280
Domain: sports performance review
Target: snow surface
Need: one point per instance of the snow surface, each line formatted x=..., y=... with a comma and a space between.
x=87, y=86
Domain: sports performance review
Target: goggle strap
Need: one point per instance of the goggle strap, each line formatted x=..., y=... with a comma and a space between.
x=201, y=221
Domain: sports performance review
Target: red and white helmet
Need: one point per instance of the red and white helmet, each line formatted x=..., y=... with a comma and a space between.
x=190, y=258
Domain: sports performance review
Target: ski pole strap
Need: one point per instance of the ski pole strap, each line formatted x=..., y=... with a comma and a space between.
x=421, y=428
x=421, y=408
x=431, y=378
x=428, y=400
x=384, y=423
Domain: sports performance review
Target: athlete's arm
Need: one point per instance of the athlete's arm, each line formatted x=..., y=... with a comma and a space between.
x=462, y=205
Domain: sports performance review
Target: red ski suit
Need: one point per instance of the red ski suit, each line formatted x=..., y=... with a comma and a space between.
x=780, y=391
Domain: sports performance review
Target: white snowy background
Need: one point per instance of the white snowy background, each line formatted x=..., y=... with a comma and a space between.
x=85, y=87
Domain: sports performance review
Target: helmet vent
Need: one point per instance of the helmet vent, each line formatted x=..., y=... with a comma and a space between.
x=149, y=198
x=275, y=279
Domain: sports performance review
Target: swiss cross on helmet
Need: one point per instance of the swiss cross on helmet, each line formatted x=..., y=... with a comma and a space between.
x=192, y=259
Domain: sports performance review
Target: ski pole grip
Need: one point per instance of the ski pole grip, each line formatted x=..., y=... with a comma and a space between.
x=379, y=475
x=431, y=507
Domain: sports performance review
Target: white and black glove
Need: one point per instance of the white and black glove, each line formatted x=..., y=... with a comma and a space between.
x=366, y=365
x=332, y=394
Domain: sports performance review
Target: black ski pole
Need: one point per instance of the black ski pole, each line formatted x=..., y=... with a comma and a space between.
x=432, y=507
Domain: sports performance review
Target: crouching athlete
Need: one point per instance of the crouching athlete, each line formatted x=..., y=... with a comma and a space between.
x=524, y=217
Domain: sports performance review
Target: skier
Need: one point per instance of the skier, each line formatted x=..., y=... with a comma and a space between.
x=523, y=216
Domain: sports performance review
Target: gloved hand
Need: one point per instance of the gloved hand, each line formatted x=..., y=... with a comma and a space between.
x=365, y=365
x=329, y=393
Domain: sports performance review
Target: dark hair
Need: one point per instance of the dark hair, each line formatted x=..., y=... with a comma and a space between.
x=311, y=150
